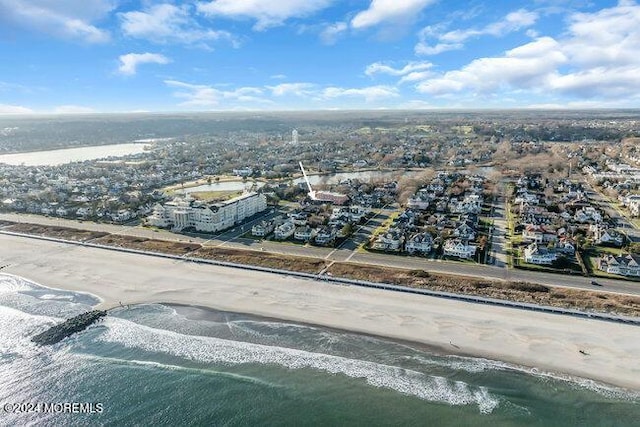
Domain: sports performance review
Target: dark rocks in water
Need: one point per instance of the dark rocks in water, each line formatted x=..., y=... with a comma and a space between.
x=69, y=327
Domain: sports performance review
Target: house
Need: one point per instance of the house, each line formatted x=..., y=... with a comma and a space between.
x=246, y=171
x=632, y=202
x=587, y=214
x=421, y=243
x=122, y=215
x=83, y=212
x=456, y=248
x=566, y=246
x=538, y=233
x=464, y=232
x=624, y=265
x=284, y=231
x=299, y=218
x=326, y=236
x=535, y=254
x=352, y=214
x=304, y=234
x=472, y=203
x=389, y=241
x=526, y=198
x=420, y=200
x=606, y=236
x=263, y=228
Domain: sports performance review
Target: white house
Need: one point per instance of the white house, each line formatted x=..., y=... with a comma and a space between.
x=421, y=243
x=389, y=241
x=304, y=234
x=262, y=229
x=456, y=248
x=534, y=254
x=326, y=236
x=607, y=236
x=420, y=200
x=627, y=265
x=284, y=231
x=587, y=214
x=632, y=201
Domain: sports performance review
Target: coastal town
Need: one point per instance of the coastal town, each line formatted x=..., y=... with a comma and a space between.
x=456, y=190
x=320, y=213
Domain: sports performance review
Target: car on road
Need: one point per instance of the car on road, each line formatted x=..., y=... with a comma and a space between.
x=594, y=283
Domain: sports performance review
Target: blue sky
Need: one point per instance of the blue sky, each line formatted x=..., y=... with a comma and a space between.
x=75, y=56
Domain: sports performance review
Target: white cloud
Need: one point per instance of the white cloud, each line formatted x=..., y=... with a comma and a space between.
x=523, y=67
x=164, y=23
x=67, y=19
x=266, y=13
x=295, y=89
x=284, y=95
x=388, y=11
x=14, y=109
x=72, y=109
x=514, y=21
x=422, y=48
x=597, y=59
x=610, y=36
x=382, y=68
x=129, y=62
x=369, y=93
x=208, y=96
x=332, y=32
x=454, y=40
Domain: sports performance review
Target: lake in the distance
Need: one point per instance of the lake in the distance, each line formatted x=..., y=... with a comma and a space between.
x=68, y=155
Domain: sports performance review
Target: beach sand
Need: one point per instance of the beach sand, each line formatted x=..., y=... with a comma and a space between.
x=538, y=340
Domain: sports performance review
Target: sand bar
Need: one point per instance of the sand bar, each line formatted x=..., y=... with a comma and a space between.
x=539, y=340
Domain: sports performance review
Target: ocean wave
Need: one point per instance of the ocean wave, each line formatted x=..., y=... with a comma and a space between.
x=17, y=328
x=479, y=364
x=460, y=363
x=170, y=367
x=10, y=284
x=217, y=350
x=25, y=295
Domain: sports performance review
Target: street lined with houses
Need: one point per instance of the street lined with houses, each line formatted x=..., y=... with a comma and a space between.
x=436, y=266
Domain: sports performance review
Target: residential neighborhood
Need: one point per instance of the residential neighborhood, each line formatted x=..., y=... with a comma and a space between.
x=438, y=188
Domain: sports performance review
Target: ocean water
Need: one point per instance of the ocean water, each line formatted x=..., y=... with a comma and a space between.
x=177, y=365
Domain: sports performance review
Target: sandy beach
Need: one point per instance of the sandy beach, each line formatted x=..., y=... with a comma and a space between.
x=537, y=340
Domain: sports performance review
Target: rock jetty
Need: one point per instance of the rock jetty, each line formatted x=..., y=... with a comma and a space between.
x=69, y=327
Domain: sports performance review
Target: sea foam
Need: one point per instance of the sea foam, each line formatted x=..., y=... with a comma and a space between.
x=216, y=350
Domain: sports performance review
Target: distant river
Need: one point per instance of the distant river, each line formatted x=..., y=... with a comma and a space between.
x=68, y=155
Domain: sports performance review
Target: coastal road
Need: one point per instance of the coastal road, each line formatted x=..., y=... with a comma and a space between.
x=395, y=261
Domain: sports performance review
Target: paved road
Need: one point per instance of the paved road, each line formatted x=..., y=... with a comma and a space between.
x=499, y=234
x=436, y=266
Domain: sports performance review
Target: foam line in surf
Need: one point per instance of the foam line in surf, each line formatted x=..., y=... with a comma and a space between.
x=216, y=350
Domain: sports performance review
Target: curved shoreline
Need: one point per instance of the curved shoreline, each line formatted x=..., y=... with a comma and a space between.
x=538, y=340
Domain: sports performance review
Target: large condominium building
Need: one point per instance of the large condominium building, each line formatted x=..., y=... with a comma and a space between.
x=183, y=213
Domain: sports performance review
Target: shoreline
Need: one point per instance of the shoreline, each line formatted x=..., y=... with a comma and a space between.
x=541, y=341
